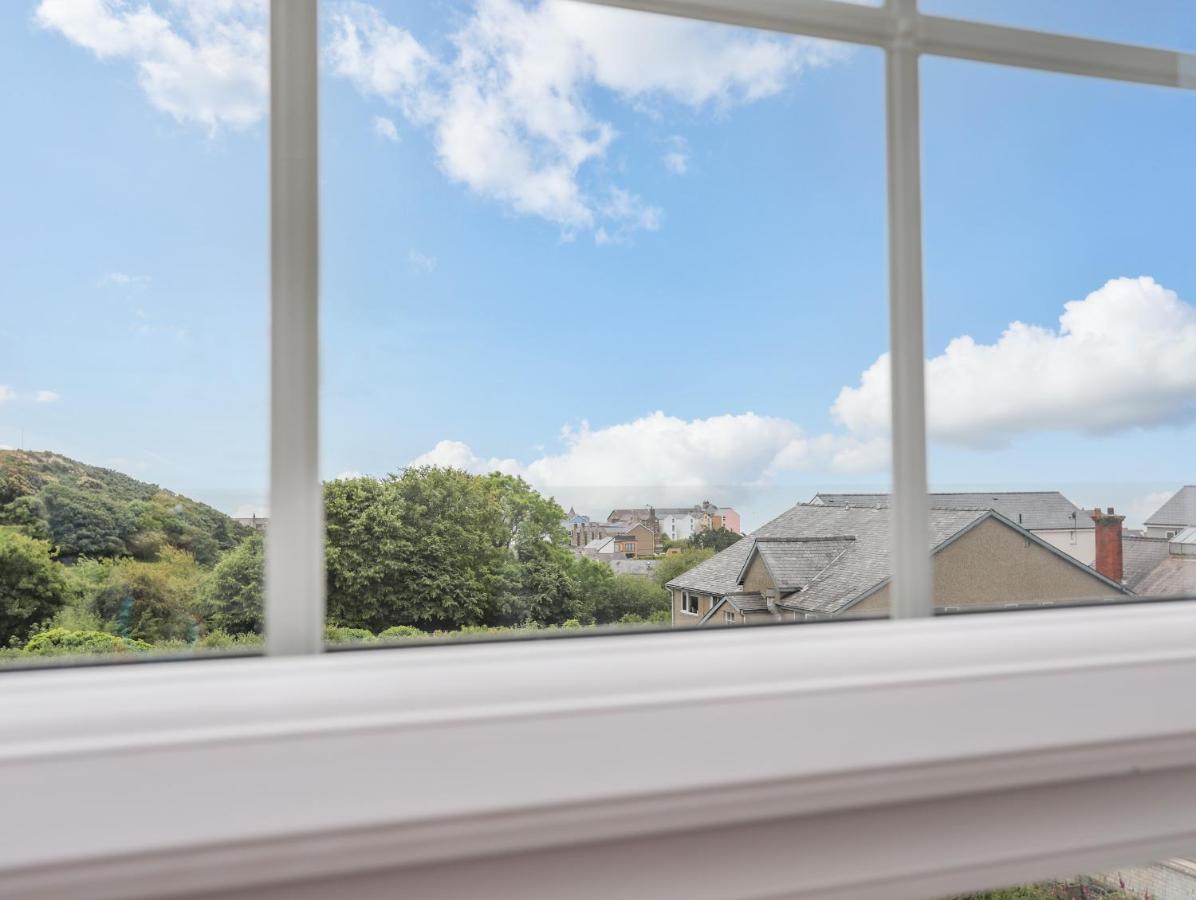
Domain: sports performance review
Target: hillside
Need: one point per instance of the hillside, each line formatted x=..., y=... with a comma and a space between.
x=89, y=511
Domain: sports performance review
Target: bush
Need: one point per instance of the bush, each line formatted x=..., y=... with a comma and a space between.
x=231, y=597
x=222, y=640
x=401, y=633
x=336, y=634
x=61, y=642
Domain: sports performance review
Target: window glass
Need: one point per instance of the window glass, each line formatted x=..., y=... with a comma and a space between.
x=133, y=352
x=592, y=283
x=1155, y=23
x=1061, y=326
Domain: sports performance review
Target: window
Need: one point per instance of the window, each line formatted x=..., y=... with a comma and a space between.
x=926, y=740
x=729, y=618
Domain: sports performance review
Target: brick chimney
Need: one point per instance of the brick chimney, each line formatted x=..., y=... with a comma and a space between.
x=1108, y=544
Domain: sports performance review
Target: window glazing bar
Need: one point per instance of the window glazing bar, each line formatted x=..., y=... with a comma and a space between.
x=980, y=41
x=294, y=619
x=912, y=591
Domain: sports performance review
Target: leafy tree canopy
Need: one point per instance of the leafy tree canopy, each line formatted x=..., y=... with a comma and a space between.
x=32, y=586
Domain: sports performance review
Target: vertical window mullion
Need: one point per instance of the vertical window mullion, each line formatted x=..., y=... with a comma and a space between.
x=912, y=577
x=294, y=619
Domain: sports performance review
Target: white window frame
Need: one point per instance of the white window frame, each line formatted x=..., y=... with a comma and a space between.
x=697, y=598
x=949, y=754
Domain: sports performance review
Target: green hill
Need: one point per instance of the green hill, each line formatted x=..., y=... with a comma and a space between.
x=88, y=511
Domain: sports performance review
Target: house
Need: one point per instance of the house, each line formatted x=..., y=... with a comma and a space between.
x=257, y=523
x=1175, y=515
x=681, y=522
x=1161, y=567
x=823, y=560
x=1047, y=514
x=635, y=542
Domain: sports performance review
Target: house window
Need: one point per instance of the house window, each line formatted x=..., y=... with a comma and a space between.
x=729, y=618
x=689, y=603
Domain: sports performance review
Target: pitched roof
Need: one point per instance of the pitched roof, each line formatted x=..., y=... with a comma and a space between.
x=1139, y=556
x=1179, y=510
x=1174, y=576
x=1033, y=510
x=860, y=568
x=794, y=562
x=862, y=565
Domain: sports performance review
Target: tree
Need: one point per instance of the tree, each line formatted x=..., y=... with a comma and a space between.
x=32, y=586
x=83, y=523
x=231, y=596
x=152, y=601
x=672, y=566
x=428, y=548
x=636, y=596
x=716, y=539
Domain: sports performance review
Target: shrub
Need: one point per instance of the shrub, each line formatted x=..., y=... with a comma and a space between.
x=401, y=633
x=337, y=634
x=60, y=642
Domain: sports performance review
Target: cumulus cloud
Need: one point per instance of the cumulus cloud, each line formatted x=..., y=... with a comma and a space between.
x=201, y=61
x=1121, y=358
x=385, y=129
x=662, y=450
x=459, y=455
x=509, y=105
x=46, y=397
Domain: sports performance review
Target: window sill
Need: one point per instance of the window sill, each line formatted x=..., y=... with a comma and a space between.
x=947, y=754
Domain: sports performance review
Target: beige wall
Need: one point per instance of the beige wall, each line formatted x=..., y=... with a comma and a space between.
x=705, y=601
x=993, y=565
x=757, y=580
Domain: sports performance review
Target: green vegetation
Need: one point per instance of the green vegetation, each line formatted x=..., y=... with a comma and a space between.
x=1079, y=889
x=717, y=539
x=94, y=562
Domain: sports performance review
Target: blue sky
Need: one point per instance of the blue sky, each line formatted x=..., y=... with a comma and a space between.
x=633, y=259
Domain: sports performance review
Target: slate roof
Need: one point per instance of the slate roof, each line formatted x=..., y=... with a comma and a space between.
x=1179, y=510
x=861, y=567
x=1038, y=510
x=795, y=563
x=1175, y=576
x=1139, y=556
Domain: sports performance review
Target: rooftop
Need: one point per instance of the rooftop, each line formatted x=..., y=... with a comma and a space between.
x=1179, y=510
x=1034, y=510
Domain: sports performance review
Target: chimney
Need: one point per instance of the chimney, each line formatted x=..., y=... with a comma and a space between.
x=1108, y=544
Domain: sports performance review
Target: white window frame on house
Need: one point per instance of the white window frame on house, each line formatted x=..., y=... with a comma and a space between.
x=686, y=596
x=949, y=754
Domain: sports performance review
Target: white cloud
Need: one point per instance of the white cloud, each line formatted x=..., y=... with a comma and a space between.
x=421, y=262
x=665, y=451
x=7, y=393
x=123, y=280
x=458, y=455
x=385, y=129
x=1121, y=358
x=46, y=397
x=200, y=61
x=676, y=158
x=509, y=105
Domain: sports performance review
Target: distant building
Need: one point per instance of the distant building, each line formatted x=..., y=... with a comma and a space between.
x=636, y=541
x=1175, y=515
x=1046, y=514
x=678, y=523
x=258, y=523
x=829, y=560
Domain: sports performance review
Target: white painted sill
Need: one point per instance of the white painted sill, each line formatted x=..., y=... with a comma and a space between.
x=865, y=759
